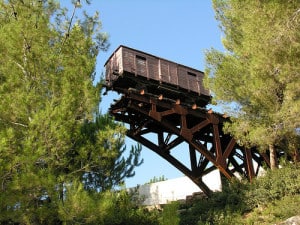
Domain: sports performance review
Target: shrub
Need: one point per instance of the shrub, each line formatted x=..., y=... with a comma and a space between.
x=275, y=185
x=268, y=199
x=170, y=215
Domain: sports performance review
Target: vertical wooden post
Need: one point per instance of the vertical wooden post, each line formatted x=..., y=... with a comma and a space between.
x=249, y=164
x=193, y=158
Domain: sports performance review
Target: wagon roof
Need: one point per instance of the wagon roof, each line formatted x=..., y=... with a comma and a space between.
x=149, y=55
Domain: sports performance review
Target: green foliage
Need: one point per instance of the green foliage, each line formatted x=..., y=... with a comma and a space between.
x=108, y=137
x=82, y=207
x=273, y=186
x=274, y=212
x=114, y=208
x=57, y=152
x=268, y=200
x=157, y=179
x=170, y=214
x=258, y=72
x=220, y=207
x=127, y=211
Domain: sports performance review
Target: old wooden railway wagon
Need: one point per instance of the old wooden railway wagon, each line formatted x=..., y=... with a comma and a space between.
x=131, y=68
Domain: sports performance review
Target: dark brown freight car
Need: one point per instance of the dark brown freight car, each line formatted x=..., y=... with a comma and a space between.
x=130, y=68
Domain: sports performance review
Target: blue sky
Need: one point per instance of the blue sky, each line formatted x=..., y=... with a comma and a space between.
x=177, y=30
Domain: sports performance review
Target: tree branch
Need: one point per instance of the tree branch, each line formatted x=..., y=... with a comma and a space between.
x=15, y=123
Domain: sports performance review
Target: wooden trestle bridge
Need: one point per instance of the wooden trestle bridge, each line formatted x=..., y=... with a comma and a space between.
x=174, y=114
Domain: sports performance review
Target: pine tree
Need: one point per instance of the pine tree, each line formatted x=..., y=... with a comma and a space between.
x=52, y=137
x=259, y=72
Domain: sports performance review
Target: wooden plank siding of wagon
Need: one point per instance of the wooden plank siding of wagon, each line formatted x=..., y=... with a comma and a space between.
x=153, y=68
x=193, y=81
x=129, y=63
x=112, y=69
x=164, y=74
x=159, y=72
x=174, y=75
x=182, y=78
x=143, y=65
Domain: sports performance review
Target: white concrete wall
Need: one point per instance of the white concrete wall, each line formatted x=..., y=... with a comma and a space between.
x=176, y=189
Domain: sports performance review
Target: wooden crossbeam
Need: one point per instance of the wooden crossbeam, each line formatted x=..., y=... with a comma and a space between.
x=201, y=129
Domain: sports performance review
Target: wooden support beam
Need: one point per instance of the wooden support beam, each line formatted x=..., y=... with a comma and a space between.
x=196, y=179
x=229, y=148
x=193, y=158
x=249, y=164
x=199, y=128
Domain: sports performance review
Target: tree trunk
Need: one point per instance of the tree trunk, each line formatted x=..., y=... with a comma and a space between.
x=273, y=157
x=296, y=156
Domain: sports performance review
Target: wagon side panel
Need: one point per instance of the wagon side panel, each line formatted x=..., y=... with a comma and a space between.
x=113, y=67
x=173, y=74
x=182, y=77
x=108, y=71
x=202, y=90
x=128, y=60
x=152, y=65
x=141, y=65
x=192, y=77
x=164, y=75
